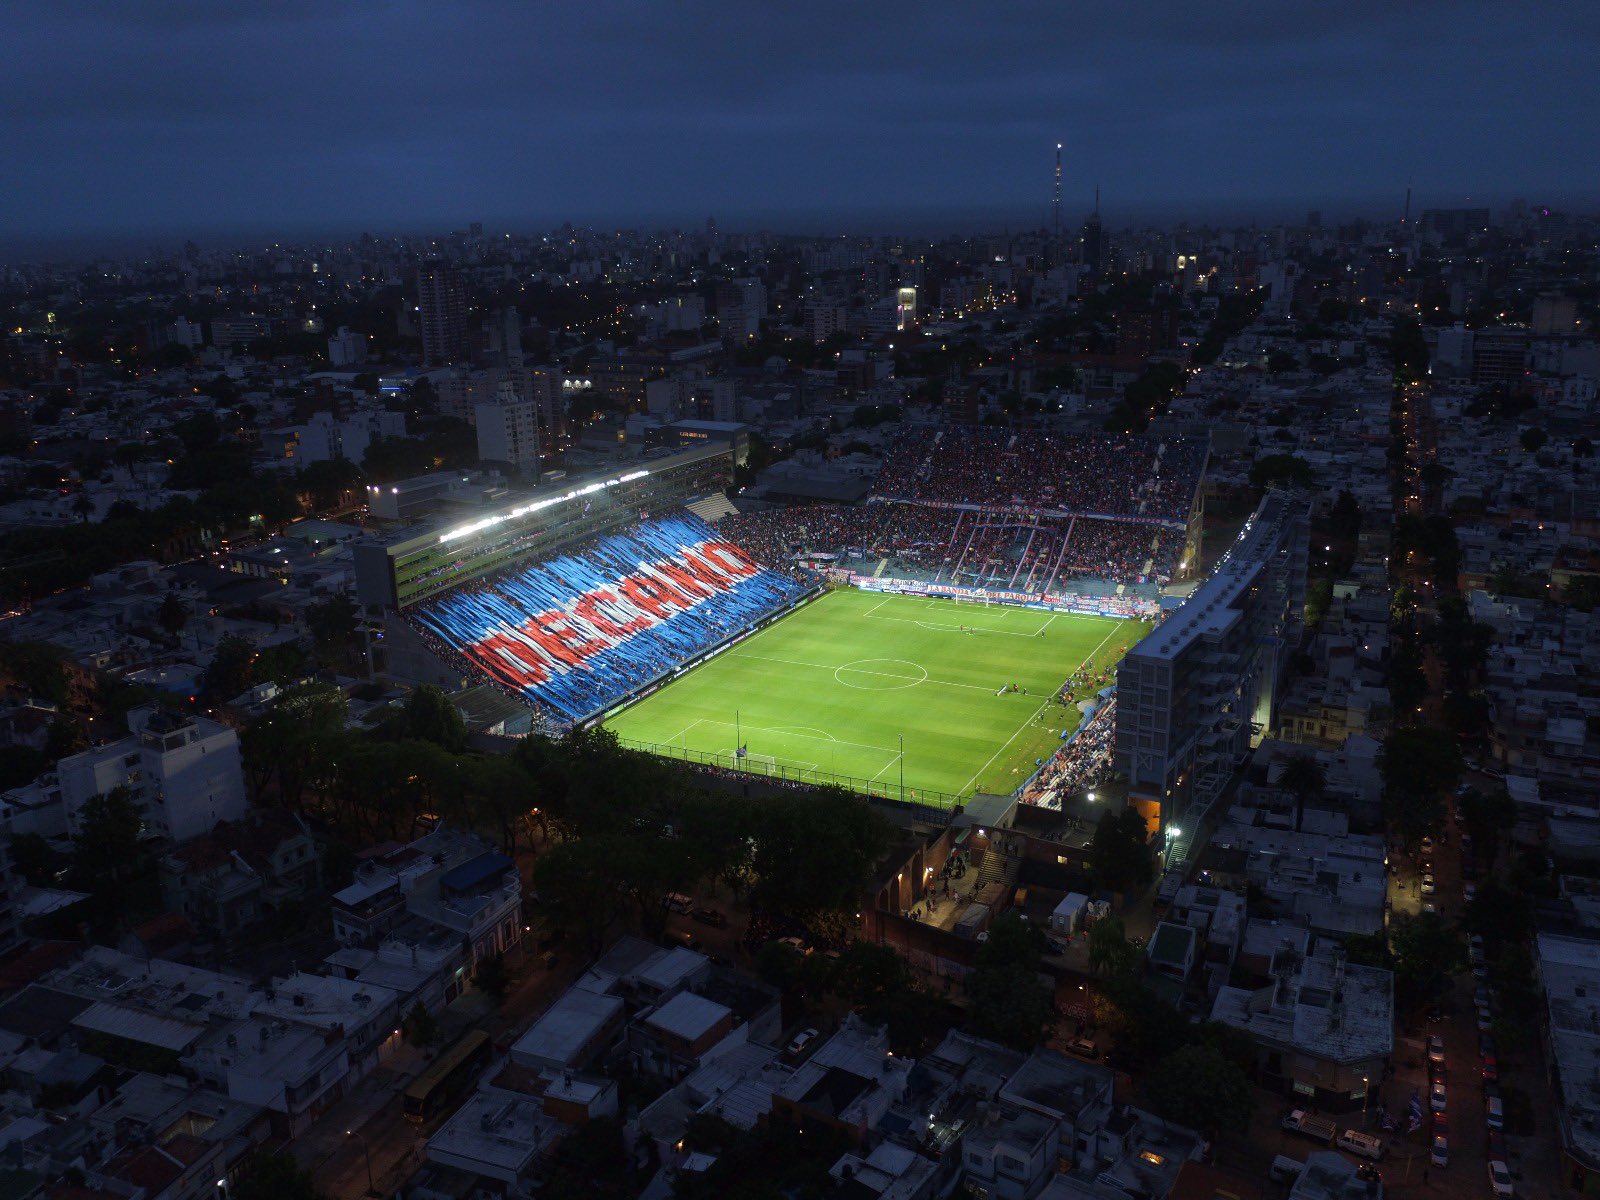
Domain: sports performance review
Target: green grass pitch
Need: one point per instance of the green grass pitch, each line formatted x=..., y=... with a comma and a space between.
x=834, y=687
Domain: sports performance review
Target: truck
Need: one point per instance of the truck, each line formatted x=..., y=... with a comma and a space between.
x=1318, y=1129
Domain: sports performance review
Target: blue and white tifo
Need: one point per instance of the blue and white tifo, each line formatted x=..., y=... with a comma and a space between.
x=583, y=631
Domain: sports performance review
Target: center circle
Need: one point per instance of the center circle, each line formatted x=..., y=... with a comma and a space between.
x=880, y=674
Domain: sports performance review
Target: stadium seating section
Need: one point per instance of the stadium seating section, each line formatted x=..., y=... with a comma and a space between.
x=579, y=632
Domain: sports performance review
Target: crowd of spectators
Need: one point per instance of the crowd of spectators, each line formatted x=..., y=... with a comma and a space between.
x=1083, y=762
x=1027, y=554
x=549, y=631
x=1114, y=474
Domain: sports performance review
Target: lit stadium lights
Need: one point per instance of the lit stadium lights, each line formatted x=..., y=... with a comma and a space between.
x=472, y=527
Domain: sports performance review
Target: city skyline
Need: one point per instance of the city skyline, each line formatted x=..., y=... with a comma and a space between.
x=160, y=118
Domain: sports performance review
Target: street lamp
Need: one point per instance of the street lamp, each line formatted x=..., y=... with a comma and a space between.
x=1091, y=797
x=1366, y=1094
x=366, y=1153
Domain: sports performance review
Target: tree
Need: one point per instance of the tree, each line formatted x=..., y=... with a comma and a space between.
x=108, y=833
x=1120, y=852
x=272, y=1175
x=326, y=482
x=1013, y=941
x=866, y=973
x=1110, y=952
x=333, y=622
x=173, y=614
x=1304, y=776
x=298, y=743
x=430, y=716
x=1488, y=817
x=1011, y=1005
x=1427, y=953
x=491, y=977
x=1582, y=592
x=421, y=1029
x=1532, y=438
x=815, y=851
x=1280, y=362
x=1417, y=760
x=231, y=669
x=575, y=886
x=1200, y=1087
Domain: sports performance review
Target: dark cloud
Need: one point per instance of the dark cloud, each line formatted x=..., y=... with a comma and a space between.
x=171, y=113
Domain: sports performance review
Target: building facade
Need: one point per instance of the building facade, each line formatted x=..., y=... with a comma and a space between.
x=1202, y=689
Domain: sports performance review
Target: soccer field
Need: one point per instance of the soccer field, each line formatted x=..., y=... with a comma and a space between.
x=838, y=687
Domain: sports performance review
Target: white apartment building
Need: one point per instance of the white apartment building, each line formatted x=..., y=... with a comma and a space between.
x=184, y=772
x=508, y=430
x=1201, y=690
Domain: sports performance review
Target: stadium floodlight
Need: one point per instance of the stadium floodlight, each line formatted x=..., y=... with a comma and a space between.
x=1091, y=797
x=479, y=526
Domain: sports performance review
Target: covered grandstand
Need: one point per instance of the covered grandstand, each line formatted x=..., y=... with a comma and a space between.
x=583, y=631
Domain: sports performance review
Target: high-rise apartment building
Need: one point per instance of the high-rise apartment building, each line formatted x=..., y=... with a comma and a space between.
x=441, y=313
x=508, y=430
x=741, y=305
x=1201, y=690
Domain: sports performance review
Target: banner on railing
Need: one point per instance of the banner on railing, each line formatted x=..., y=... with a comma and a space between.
x=1122, y=607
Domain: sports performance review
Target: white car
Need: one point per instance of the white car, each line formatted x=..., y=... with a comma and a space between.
x=1436, y=1096
x=800, y=1041
x=1428, y=887
x=1427, y=845
x=1500, y=1179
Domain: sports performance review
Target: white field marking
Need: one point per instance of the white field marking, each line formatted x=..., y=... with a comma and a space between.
x=1031, y=719
x=1048, y=623
x=789, y=662
x=937, y=625
x=1038, y=710
x=893, y=758
x=681, y=734
x=805, y=731
x=772, y=760
x=876, y=607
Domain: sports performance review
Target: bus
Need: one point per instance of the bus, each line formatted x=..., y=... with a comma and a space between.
x=449, y=1074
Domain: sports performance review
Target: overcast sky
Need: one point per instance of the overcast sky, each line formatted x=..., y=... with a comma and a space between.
x=384, y=114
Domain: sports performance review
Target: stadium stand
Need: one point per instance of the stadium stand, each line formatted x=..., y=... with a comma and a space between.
x=1077, y=473
x=580, y=632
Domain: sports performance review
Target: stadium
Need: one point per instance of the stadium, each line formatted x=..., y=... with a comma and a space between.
x=956, y=632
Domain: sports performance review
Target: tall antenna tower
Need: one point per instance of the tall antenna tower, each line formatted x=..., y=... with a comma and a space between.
x=1058, y=191
x=1406, y=219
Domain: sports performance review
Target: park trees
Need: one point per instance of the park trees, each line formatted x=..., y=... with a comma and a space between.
x=1120, y=852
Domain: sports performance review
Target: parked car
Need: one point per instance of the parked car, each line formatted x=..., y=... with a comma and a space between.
x=1491, y=1069
x=1439, y=1156
x=1317, y=1128
x=1427, y=845
x=1437, y=1096
x=1427, y=885
x=711, y=917
x=1085, y=1047
x=799, y=1042
x=1469, y=892
x=1495, y=1113
x=1500, y=1179
x=1486, y=1046
x=1436, y=1049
